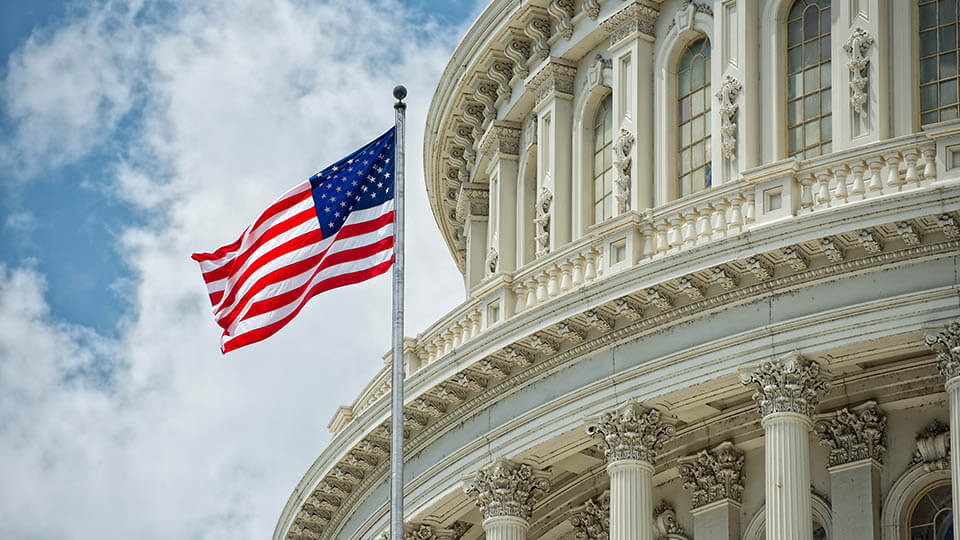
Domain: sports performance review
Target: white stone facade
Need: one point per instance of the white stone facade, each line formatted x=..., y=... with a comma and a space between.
x=774, y=356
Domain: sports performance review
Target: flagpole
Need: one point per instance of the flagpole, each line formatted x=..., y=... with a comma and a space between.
x=396, y=432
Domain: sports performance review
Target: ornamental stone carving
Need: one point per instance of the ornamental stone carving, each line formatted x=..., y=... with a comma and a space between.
x=562, y=13
x=637, y=17
x=426, y=532
x=854, y=435
x=501, y=72
x=600, y=73
x=683, y=19
x=501, y=138
x=729, y=91
x=473, y=200
x=790, y=384
x=621, y=161
x=553, y=77
x=714, y=475
x=493, y=256
x=665, y=523
x=592, y=520
x=856, y=48
x=933, y=447
x=591, y=8
x=946, y=345
x=631, y=432
x=542, y=220
x=537, y=29
x=505, y=488
x=518, y=50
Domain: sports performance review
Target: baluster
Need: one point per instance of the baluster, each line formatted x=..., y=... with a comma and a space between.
x=590, y=272
x=447, y=342
x=675, y=236
x=663, y=243
x=893, y=170
x=597, y=254
x=553, y=282
x=857, y=188
x=720, y=219
x=689, y=228
x=750, y=208
x=806, y=191
x=649, y=240
x=541, y=287
x=911, y=158
x=577, y=276
x=475, y=331
x=929, y=162
x=531, y=286
x=457, y=331
x=840, y=192
x=703, y=223
x=823, y=188
x=566, y=281
x=736, y=214
x=520, y=292
x=875, y=164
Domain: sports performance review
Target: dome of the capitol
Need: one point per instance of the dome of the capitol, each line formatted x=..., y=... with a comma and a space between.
x=711, y=252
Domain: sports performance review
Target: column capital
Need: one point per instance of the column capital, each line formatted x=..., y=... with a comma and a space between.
x=631, y=432
x=507, y=489
x=473, y=200
x=854, y=434
x=947, y=346
x=592, y=519
x=790, y=384
x=553, y=78
x=714, y=475
x=426, y=532
x=636, y=18
x=502, y=139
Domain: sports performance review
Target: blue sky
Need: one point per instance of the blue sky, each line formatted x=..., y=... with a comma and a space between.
x=133, y=133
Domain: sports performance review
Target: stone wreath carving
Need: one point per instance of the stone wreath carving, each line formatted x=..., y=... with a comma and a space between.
x=542, y=220
x=621, y=160
x=729, y=91
x=856, y=48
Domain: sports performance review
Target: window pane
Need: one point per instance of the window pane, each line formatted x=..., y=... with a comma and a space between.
x=928, y=97
x=796, y=9
x=597, y=163
x=928, y=118
x=709, y=169
x=685, y=109
x=825, y=74
x=948, y=11
x=948, y=37
x=696, y=80
x=607, y=182
x=928, y=43
x=698, y=179
x=811, y=133
x=826, y=148
x=811, y=152
x=928, y=69
x=685, y=59
x=794, y=85
x=811, y=54
x=607, y=206
x=825, y=47
x=684, y=84
x=598, y=212
x=608, y=126
x=685, y=160
x=696, y=159
x=811, y=106
x=928, y=16
x=698, y=102
x=825, y=20
x=948, y=65
x=949, y=113
x=793, y=33
x=697, y=131
x=811, y=80
x=811, y=23
x=685, y=135
x=607, y=157
x=706, y=125
x=794, y=138
x=825, y=104
x=826, y=128
x=948, y=92
x=793, y=59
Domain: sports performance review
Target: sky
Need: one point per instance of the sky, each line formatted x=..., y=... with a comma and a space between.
x=132, y=134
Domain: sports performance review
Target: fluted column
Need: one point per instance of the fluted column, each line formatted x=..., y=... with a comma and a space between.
x=788, y=390
x=715, y=477
x=630, y=437
x=947, y=346
x=506, y=493
x=856, y=439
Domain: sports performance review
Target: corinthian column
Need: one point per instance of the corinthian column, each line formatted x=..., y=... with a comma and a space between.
x=947, y=346
x=506, y=493
x=630, y=437
x=788, y=391
x=716, y=479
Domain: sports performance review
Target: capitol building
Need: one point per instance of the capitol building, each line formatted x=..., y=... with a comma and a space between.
x=711, y=256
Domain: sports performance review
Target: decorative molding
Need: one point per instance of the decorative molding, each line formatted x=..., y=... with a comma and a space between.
x=856, y=48
x=554, y=77
x=426, y=532
x=597, y=320
x=665, y=523
x=933, y=447
x=727, y=95
x=473, y=200
x=949, y=226
x=501, y=138
x=869, y=241
x=790, y=383
x=726, y=279
x=760, y=269
x=832, y=249
x=542, y=220
x=600, y=73
x=636, y=17
x=714, y=475
x=500, y=71
x=908, y=233
x=793, y=257
x=517, y=51
x=946, y=345
x=537, y=28
x=632, y=432
x=505, y=488
x=591, y=8
x=621, y=161
x=688, y=287
x=592, y=519
x=561, y=11
x=854, y=434
x=492, y=262
x=683, y=18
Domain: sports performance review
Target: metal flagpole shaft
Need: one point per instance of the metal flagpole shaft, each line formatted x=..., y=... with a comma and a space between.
x=396, y=433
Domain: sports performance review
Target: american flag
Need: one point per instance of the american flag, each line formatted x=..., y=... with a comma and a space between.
x=335, y=229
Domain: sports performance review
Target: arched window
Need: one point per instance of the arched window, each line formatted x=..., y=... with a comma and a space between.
x=931, y=514
x=603, y=161
x=693, y=118
x=938, y=61
x=809, y=119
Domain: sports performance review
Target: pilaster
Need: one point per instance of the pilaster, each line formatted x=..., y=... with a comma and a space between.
x=631, y=436
x=506, y=493
x=631, y=31
x=788, y=390
x=501, y=144
x=472, y=209
x=715, y=478
x=946, y=345
x=856, y=439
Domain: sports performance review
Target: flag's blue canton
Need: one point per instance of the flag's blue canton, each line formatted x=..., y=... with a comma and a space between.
x=361, y=180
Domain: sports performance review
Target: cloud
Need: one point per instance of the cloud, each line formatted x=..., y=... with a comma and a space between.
x=153, y=434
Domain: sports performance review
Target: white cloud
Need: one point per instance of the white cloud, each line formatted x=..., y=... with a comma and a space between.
x=241, y=99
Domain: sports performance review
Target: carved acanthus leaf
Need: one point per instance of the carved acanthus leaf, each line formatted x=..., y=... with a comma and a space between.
x=790, y=383
x=621, y=160
x=946, y=345
x=856, y=48
x=933, y=447
x=854, y=435
x=505, y=488
x=592, y=520
x=714, y=475
x=631, y=432
x=727, y=95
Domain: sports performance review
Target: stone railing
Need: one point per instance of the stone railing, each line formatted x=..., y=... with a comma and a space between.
x=763, y=197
